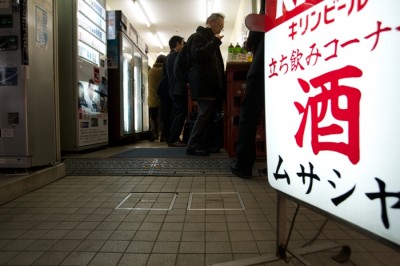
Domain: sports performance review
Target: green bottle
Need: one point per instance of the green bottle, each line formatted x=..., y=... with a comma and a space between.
x=244, y=50
x=231, y=50
x=237, y=53
x=238, y=49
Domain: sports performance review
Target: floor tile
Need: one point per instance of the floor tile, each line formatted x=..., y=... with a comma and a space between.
x=166, y=247
x=218, y=247
x=192, y=247
x=128, y=258
x=141, y=247
x=24, y=258
x=74, y=221
x=51, y=258
x=90, y=245
x=190, y=260
x=161, y=259
x=114, y=246
x=78, y=258
x=106, y=259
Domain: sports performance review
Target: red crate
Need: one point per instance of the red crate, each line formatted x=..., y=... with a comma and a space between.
x=231, y=139
x=231, y=126
x=236, y=88
x=261, y=142
x=233, y=104
x=261, y=149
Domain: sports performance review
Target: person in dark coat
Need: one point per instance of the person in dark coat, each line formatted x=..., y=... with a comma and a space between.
x=166, y=105
x=206, y=79
x=178, y=93
x=251, y=108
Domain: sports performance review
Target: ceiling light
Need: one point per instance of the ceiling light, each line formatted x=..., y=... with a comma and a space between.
x=209, y=7
x=142, y=13
x=158, y=39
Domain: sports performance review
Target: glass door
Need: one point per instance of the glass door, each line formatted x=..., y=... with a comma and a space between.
x=145, y=93
x=127, y=86
x=137, y=62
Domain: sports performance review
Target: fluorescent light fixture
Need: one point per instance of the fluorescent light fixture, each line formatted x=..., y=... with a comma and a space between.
x=158, y=39
x=209, y=7
x=142, y=12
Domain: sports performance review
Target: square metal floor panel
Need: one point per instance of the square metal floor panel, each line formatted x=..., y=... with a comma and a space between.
x=148, y=201
x=215, y=201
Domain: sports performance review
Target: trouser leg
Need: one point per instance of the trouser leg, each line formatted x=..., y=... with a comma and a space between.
x=250, y=111
x=206, y=112
x=180, y=110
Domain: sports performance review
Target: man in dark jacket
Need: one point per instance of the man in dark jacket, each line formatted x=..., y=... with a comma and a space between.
x=178, y=93
x=206, y=79
x=166, y=92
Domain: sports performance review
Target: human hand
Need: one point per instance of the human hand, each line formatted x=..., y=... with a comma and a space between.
x=219, y=36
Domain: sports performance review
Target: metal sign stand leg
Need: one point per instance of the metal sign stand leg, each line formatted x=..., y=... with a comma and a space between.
x=283, y=240
x=282, y=250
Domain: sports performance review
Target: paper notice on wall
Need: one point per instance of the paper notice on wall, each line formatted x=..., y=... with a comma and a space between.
x=7, y=132
x=5, y=4
x=41, y=28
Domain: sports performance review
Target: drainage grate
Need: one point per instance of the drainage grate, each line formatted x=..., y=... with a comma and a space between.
x=148, y=201
x=149, y=167
x=215, y=201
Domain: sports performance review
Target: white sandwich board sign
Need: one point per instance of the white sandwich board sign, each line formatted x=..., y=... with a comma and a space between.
x=332, y=105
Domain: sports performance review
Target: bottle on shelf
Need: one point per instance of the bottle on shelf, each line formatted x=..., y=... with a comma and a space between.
x=231, y=50
x=249, y=57
x=244, y=48
x=243, y=57
x=236, y=52
x=238, y=49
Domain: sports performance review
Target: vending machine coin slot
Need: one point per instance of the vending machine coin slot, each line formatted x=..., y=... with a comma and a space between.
x=13, y=118
x=8, y=43
x=6, y=21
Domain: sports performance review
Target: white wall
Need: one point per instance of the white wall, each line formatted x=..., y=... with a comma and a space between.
x=239, y=31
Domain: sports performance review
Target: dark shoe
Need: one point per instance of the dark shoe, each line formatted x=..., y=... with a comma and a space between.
x=177, y=144
x=197, y=152
x=265, y=171
x=239, y=172
x=213, y=150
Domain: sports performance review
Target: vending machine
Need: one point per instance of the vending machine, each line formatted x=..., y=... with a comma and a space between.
x=28, y=108
x=83, y=74
x=127, y=80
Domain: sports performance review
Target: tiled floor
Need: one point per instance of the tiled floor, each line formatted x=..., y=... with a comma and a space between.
x=164, y=220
